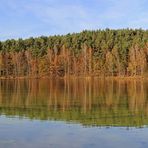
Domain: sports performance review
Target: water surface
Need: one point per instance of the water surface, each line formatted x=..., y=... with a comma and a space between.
x=73, y=113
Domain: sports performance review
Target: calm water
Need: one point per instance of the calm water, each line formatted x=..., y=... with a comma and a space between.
x=79, y=113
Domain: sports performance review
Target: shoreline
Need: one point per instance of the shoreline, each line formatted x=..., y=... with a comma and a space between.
x=80, y=77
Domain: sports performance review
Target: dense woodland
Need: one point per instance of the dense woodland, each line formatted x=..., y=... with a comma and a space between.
x=122, y=52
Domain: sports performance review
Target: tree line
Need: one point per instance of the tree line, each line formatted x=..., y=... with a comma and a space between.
x=122, y=52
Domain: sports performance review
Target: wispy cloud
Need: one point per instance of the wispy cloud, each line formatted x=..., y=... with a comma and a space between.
x=35, y=17
x=64, y=18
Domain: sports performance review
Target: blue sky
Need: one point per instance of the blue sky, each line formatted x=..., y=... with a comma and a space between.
x=26, y=18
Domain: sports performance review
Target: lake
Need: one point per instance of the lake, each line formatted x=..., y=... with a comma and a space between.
x=75, y=113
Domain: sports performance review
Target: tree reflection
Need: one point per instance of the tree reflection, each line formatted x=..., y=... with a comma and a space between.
x=91, y=102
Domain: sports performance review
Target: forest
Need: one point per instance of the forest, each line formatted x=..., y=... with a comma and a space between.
x=102, y=53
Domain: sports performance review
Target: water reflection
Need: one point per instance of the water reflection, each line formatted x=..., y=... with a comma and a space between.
x=91, y=102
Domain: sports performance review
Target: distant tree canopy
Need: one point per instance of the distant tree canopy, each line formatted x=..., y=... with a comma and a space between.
x=122, y=52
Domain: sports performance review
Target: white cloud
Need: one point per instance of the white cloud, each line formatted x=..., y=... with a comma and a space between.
x=47, y=17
